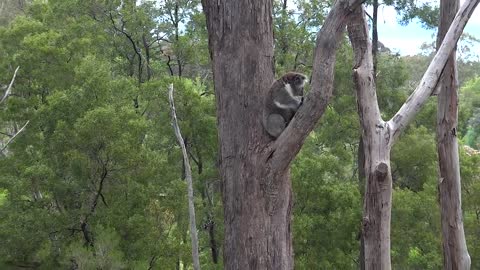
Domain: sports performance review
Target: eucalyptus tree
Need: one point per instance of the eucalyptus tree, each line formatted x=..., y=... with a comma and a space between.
x=379, y=135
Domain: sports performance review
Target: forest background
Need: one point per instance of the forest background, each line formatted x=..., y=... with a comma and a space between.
x=96, y=178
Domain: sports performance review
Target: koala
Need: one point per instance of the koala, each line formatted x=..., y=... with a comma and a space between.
x=282, y=102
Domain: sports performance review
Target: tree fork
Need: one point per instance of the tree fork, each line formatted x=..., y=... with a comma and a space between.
x=379, y=136
x=253, y=168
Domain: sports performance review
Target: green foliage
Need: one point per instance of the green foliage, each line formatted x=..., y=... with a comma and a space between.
x=414, y=159
x=105, y=254
x=470, y=93
x=416, y=240
x=470, y=173
x=95, y=180
x=99, y=147
x=427, y=12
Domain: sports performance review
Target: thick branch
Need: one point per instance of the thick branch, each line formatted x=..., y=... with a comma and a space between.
x=363, y=72
x=431, y=77
x=9, y=89
x=290, y=141
x=188, y=177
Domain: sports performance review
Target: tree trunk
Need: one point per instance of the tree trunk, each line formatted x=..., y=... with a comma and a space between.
x=378, y=190
x=361, y=181
x=379, y=136
x=455, y=253
x=375, y=38
x=257, y=195
x=188, y=177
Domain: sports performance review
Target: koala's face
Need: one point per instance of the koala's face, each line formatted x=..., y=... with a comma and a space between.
x=297, y=81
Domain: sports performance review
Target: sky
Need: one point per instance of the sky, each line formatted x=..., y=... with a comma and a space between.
x=407, y=40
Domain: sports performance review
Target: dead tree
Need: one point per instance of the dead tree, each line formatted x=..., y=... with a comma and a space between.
x=455, y=253
x=379, y=136
x=188, y=177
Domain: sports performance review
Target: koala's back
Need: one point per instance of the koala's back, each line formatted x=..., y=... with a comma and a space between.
x=277, y=93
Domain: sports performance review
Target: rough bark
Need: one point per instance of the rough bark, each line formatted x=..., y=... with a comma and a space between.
x=188, y=177
x=455, y=253
x=253, y=168
x=361, y=182
x=378, y=189
x=379, y=136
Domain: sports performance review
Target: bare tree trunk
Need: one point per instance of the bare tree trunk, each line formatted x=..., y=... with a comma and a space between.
x=257, y=193
x=455, y=253
x=379, y=136
x=188, y=177
x=378, y=190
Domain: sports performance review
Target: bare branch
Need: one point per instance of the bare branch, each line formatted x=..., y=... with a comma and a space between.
x=136, y=49
x=9, y=89
x=431, y=77
x=363, y=73
x=13, y=137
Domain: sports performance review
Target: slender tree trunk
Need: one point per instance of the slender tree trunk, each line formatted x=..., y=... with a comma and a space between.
x=378, y=190
x=361, y=150
x=146, y=46
x=188, y=177
x=208, y=199
x=455, y=253
x=257, y=193
x=361, y=181
x=379, y=136
x=375, y=37
x=283, y=40
x=177, y=36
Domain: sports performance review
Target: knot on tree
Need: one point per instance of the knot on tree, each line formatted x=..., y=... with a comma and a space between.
x=365, y=225
x=381, y=171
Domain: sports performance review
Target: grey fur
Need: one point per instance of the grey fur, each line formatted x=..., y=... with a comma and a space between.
x=282, y=102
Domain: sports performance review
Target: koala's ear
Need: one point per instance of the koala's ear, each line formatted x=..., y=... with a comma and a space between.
x=289, y=76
